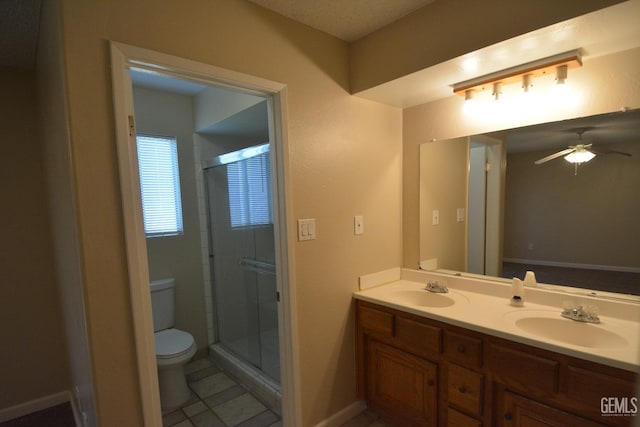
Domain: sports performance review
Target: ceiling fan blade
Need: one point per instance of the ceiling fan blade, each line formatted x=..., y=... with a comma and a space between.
x=554, y=156
x=602, y=150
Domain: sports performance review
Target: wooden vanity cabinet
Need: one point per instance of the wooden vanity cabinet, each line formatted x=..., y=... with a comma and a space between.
x=401, y=385
x=415, y=371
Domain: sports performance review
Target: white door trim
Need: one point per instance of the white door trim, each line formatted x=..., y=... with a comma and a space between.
x=123, y=57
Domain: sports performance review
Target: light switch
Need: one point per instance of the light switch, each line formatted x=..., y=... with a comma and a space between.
x=460, y=215
x=306, y=229
x=358, y=224
x=435, y=218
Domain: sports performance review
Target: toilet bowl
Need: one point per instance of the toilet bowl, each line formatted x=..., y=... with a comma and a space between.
x=174, y=348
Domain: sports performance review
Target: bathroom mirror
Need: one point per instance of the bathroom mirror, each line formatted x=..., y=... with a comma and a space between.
x=487, y=208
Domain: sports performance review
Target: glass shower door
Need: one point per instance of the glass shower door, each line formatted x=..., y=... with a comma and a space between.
x=242, y=253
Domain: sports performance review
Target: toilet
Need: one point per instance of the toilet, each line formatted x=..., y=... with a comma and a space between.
x=174, y=348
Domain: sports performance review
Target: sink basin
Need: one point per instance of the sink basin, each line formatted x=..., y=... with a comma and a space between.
x=568, y=331
x=422, y=298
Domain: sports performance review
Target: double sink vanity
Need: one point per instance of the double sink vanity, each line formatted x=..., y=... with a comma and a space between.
x=460, y=354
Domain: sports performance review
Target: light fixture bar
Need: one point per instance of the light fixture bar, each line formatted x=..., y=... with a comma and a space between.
x=545, y=66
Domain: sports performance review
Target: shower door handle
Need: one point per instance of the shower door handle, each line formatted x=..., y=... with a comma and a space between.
x=262, y=267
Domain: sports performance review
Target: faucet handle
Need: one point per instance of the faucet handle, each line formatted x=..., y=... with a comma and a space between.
x=591, y=310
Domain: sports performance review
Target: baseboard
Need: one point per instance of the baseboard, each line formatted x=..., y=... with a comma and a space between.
x=344, y=415
x=77, y=416
x=32, y=406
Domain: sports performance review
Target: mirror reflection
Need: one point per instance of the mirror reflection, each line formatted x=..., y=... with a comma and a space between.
x=560, y=199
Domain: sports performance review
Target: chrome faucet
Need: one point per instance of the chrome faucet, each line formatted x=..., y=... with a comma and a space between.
x=580, y=313
x=436, y=287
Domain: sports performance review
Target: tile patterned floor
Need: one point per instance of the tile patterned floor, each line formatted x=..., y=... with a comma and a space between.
x=218, y=401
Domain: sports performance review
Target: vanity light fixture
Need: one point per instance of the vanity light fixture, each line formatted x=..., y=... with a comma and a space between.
x=497, y=91
x=469, y=102
x=527, y=82
x=525, y=73
x=561, y=74
x=468, y=95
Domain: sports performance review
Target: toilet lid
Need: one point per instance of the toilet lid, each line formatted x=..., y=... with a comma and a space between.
x=172, y=342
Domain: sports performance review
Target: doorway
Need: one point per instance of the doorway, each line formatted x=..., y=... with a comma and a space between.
x=124, y=59
x=485, y=205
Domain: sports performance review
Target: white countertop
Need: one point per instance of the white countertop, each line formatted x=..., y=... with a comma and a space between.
x=484, y=306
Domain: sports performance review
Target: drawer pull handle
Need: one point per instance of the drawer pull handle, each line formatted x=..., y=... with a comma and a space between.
x=462, y=390
x=430, y=383
x=508, y=417
x=461, y=349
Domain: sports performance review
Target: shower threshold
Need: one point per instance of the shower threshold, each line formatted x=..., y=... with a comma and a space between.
x=263, y=388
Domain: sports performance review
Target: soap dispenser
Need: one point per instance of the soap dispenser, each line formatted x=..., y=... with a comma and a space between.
x=530, y=279
x=517, y=289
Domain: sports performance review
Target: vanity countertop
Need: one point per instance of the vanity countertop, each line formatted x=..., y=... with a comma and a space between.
x=484, y=306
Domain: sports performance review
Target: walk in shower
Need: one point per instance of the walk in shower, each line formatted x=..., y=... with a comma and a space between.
x=242, y=262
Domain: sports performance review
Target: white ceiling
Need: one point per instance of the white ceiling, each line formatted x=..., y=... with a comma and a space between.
x=348, y=20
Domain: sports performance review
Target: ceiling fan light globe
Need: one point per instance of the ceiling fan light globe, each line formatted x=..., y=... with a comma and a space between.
x=579, y=156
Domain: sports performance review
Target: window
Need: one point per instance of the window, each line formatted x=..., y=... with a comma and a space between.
x=159, y=185
x=249, y=184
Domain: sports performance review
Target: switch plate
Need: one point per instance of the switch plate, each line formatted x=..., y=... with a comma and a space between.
x=358, y=225
x=435, y=218
x=460, y=215
x=306, y=229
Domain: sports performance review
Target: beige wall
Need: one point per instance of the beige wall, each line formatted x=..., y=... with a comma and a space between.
x=345, y=159
x=180, y=257
x=588, y=218
x=60, y=189
x=443, y=187
x=444, y=30
x=33, y=360
x=605, y=84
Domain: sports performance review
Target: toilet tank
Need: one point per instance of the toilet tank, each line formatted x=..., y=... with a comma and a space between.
x=162, y=303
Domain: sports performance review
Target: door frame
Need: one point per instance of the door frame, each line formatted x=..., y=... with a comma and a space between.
x=123, y=57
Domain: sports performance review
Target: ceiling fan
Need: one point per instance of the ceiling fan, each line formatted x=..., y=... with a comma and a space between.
x=580, y=152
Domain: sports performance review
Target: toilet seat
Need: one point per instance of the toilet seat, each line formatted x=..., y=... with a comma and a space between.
x=173, y=343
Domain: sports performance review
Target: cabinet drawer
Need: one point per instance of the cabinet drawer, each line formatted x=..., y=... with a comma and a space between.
x=590, y=387
x=522, y=370
x=375, y=320
x=463, y=349
x=423, y=339
x=464, y=389
x=522, y=411
x=458, y=419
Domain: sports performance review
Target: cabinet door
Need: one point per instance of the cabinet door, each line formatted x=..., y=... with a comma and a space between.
x=401, y=386
x=519, y=411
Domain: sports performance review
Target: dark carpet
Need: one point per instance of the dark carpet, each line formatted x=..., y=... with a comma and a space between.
x=56, y=416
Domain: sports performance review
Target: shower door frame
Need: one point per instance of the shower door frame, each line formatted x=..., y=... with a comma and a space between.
x=259, y=267
x=124, y=57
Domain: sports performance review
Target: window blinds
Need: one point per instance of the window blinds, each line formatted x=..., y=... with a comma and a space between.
x=249, y=185
x=159, y=185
